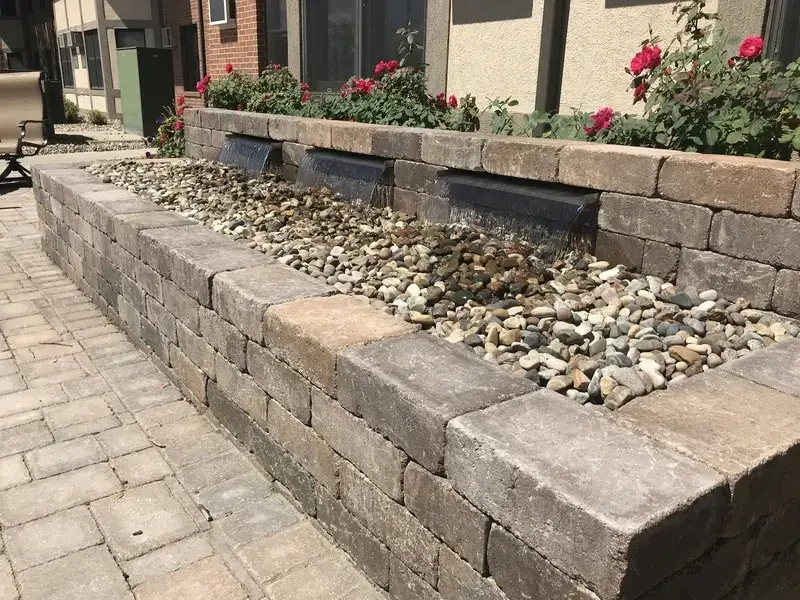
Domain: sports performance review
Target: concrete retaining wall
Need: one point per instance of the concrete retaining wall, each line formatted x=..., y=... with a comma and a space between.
x=441, y=476
x=727, y=223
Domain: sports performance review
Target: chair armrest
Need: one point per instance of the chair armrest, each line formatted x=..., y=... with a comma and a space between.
x=23, y=131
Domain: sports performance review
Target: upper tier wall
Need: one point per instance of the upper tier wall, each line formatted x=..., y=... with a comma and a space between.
x=727, y=223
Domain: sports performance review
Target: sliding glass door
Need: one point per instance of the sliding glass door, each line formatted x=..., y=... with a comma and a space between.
x=342, y=38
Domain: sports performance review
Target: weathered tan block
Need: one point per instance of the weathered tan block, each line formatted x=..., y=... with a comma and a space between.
x=762, y=239
x=527, y=158
x=786, y=297
x=374, y=455
x=193, y=150
x=416, y=176
x=308, y=334
x=746, y=431
x=652, y=219
x=442, y=510
x=191, y=117
x=457, y=580
x=560, y=477
x=776, y=367
x=242, y=296
x=732, y=278
x=352, y=137
x=210, y=118
x=397, y=142
x=241, y=388
x=431, y=209
x=293, y=154
x=619, y=249
x=283, y=128
x=452, y=149
x=127, y=227
x=305, y=446
x=660, y=260
x=197, y=135
x=523, y=573
x=391, y=523
x=280, y=382
x=624, y=169
x=752, y=185
x=314, y=132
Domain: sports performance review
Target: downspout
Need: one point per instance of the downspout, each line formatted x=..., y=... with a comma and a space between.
x=555, y=20
x=201, y=41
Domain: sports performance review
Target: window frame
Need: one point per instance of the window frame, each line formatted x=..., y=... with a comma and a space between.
x=281, y=32
x=15, y=14
x=94, y=63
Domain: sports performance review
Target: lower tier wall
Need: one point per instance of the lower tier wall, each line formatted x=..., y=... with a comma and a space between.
x=442, y=477
x=725, y=223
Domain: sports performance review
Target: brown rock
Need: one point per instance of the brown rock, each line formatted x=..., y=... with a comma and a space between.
x=681, y=353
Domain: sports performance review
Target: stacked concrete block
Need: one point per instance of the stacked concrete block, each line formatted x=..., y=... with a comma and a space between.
x=442, y=477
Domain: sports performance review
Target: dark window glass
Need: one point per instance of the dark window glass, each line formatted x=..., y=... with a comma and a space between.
x=130, y=38
x=277, y=41
x=349, y=37
x=67, y=74
x=190, y=56
x=8, y=8
x=379, y=24
x=232, y=9
x=93, y=62
x=330, y=39
x=216, y=10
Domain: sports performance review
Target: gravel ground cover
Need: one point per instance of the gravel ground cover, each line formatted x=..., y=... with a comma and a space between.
x=595, y=332
x=113, y=125
x=59, y=148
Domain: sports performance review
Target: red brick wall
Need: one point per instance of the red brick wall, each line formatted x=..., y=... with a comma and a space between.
x=239, y=46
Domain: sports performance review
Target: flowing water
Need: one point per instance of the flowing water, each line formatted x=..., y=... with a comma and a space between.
x=360, y=179
x=553, y=217
x=254, y=155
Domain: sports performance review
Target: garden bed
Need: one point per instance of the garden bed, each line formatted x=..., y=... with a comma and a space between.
x=597, y=332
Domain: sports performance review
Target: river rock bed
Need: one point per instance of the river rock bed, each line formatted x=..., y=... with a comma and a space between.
x=592, y=331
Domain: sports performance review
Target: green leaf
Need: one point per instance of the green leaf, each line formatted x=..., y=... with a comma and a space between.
x=734, y=137
x=712, y=135
x=796, y=142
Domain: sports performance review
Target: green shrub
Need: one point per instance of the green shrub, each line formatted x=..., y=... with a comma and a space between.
x=71, y=112
x=95, y=117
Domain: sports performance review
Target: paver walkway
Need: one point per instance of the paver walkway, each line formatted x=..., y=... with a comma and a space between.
x=111, y=485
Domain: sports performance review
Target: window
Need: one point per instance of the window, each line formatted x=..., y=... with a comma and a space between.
x=14, y=61
x=277, y=40
x=348, y=37
x=190, y=56
x=93, y=62
x=129, y=38
x=221, y=12
x=8, y=8
x=67, y=74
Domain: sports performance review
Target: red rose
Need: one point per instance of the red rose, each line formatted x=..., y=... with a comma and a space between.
x=640, y=92
x=266, y=97
x=181, y=100
x=731, y=63
x=180, y=110
x=751, y=47
x=380, y=68
x=164, y=137
x=364, y=86
x=600, y=120
x=649, y=57
x=392, y=66
x=305, y=87
x=453, y=102
x=178, y=125
x=440, y=99
x=229, y=68
x=202, y=85
x=305, y=97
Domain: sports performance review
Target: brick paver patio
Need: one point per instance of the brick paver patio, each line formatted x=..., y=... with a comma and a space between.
x=112, y=486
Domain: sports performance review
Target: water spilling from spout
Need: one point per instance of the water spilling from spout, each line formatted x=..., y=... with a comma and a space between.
x=553, y=217
x=363, y=180
x=253, y=155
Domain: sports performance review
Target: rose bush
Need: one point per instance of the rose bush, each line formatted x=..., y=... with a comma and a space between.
x=170, y=140
x=394, y=96
x=697, y=97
